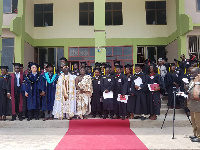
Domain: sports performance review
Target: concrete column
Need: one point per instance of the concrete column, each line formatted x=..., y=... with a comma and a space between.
x=99, y=30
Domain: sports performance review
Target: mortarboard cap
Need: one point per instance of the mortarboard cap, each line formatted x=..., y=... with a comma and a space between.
x=33, y=64
x=108, y=66
x=4, y=67
x=119, y=66
x=16, y=64
x=97, y=64
x=103, y=64
x=63, y=58
x=137, y=65
x=128, y=66
x=21, y=65
x=183, y=55
x=175, y=60
x=116, y=62
x=29, y=64
x=49, y=65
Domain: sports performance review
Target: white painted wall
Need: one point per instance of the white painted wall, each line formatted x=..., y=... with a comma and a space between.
x=172, y=50
x=66, y=21
x=191, y=10
x=28, y=54
x=7, y=18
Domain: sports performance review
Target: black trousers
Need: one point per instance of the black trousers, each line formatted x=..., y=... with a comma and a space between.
x=106, y=112
x=33, y=113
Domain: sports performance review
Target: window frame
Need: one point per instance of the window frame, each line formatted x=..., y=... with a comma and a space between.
x=11, y=8
x=88, y=13
x=197, y=5
x=112, y=11
x=44, y=12
x=156, y=10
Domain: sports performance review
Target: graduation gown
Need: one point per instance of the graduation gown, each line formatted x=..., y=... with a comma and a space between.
x=108, y=83
x=119, y=85
x=48, y=85
x=31, y=86
x=15, y=91
x=169, y=79
x=96, y=95
x=153, y=97
x=140, y=98
x=3, y=95
x=145, y=69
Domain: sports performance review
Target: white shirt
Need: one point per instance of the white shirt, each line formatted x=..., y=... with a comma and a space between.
x=18, y=77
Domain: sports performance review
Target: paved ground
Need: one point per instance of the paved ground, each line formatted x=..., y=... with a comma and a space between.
x=46, y=138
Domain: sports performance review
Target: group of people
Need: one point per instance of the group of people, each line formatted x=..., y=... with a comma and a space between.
x=133, y=92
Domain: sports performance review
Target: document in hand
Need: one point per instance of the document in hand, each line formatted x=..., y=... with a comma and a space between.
x=108, y=95
x=152, y=86
x=138, y=81
x=122, y=99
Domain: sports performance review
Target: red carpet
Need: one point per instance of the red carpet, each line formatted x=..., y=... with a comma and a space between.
x=100, y=134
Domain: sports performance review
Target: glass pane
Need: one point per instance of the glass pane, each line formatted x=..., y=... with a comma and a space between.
x=117, y=18
x=51, y=56
x=150, y=5
x=108, y=51
x=161, y=17
x=7, y=61
x=150, y=17
x=83, y=18
x=89, y=58
x=91, y=6
x=117, y=6
x=91, y=18
x=111, y=58
x=161, y=5
x=38, y=8
x=8, y=52
x=161, y=53
x=83, y=6
x=108, y=18
x=7, y=56
x=6, y=6
x=117, y=51
x=198, y=4
x=128, y=62
x=48, y=7
x=42, y=56
x=60, y=53
x=108, y=6
x=73, y=51
x=92, y=51
x=14, y=6
x=7, y=42
x=151, y=53
x=38, y=20
x=83, y=51
x=128, y=50
x=48, y=19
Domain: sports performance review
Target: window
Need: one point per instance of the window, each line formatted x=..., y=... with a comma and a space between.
x=43, y=15
x=156, y=13
x=81, y=53
x=51, y=55
x=7, y=53
x=198, y=5
x=86, y=13
x=10, y=6
x=114, y=14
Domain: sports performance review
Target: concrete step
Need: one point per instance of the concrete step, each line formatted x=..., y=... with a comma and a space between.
x=164, y=106
x=180, y=121
x=171, y=111
x=164, y=101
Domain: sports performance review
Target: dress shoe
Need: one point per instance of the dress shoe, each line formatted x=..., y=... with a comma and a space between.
x=20, y=119
x=111, y=117
x=36, y=118
x=123, y=118
x=195, y=140
x=117, y=117
x=104, y=117
x=137, y=117
x=143, y=118
x=192, y=137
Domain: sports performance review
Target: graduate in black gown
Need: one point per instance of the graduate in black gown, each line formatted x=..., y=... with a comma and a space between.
x=107, y=85
x=96, y=95
x=14, y=92
x=128, y=90
x=171, y=81
x=119, y=107
x=48, y=88
x=139, y=92
x=154, y=99
x=32, y=92
x=75, y=70
x=4, y=101
x=89, y=71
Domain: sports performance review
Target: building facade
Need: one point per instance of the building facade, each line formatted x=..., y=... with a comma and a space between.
x=97, y=30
